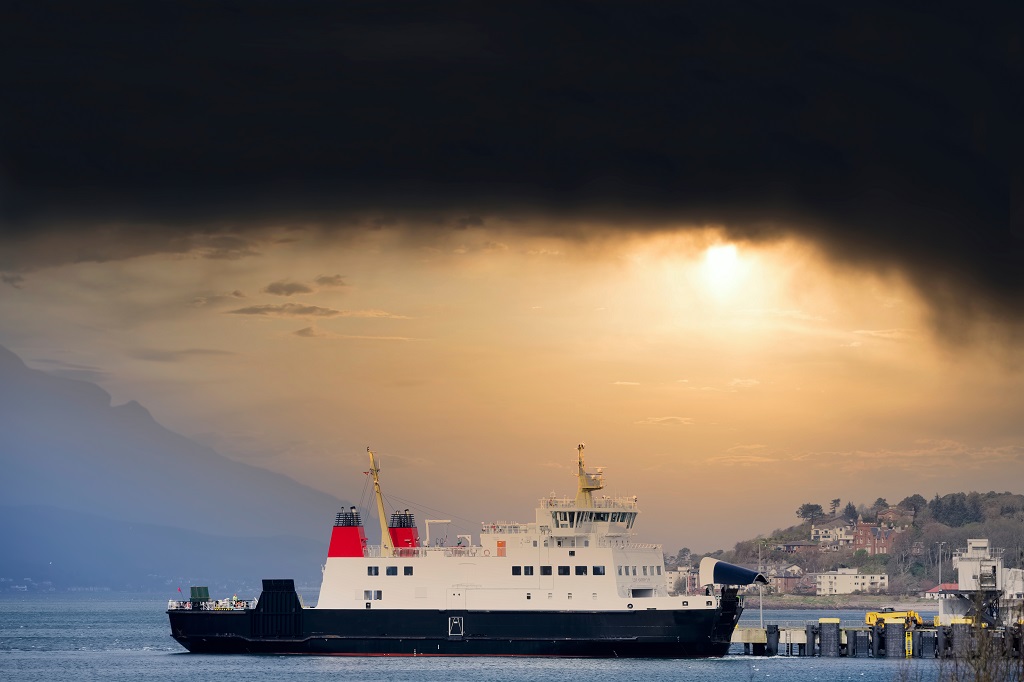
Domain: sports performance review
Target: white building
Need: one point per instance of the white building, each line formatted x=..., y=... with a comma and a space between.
x=848, y=581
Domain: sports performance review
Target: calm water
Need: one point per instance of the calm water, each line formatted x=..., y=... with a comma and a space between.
x=74, y=636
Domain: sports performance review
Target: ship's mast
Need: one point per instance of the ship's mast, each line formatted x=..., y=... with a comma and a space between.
x=587, y=483
x=386, y=548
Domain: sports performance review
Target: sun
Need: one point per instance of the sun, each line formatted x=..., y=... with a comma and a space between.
x=721, y=268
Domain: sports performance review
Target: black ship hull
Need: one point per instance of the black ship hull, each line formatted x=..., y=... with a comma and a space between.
x=278, y=625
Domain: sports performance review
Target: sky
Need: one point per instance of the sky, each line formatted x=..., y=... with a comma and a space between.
x=751, y=255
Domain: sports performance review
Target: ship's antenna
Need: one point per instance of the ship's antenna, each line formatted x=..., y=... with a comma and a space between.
x=386, y=548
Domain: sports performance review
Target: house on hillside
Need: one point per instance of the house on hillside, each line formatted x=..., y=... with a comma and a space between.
x=893, y=516
x=873, y=539
x=785, y=579
x=833, y=535
x=848, y=581
x=797, y=546
x=827, y=531
x=683, y=580
x=938, y=592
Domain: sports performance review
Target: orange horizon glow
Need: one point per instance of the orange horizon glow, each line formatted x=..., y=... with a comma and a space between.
x=698, y=371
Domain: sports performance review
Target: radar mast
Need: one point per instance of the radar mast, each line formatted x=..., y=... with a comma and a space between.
x=588, y=483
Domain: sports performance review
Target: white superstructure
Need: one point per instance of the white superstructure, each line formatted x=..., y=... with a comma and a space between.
x=577, y=554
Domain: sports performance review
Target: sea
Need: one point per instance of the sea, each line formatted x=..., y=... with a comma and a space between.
x=115, y=636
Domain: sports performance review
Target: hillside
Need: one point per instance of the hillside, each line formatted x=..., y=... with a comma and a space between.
x=930, y=531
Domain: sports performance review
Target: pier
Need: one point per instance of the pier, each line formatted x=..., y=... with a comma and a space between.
x=828, y=638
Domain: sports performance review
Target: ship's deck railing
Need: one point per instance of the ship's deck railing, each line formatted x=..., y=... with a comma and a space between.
x=509, y=527
x=626, y=544
x=597, y=503
x=376, y=552
x=218, y=605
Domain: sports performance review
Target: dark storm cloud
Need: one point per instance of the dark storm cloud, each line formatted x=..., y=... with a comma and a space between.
x=879, y=130
x=286, y=288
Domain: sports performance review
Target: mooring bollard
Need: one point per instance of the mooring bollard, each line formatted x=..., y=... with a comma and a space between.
x=772, y=645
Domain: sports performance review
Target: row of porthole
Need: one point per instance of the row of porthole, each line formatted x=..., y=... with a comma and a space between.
x=388, y=570
x=562, y=570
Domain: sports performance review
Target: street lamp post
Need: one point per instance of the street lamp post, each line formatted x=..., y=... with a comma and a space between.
x=760, y=595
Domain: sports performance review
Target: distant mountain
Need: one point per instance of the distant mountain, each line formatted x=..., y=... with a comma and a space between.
x=64, y=448
x=83, y=550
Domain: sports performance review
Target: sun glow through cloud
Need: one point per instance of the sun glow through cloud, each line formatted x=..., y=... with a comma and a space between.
x=722, y=269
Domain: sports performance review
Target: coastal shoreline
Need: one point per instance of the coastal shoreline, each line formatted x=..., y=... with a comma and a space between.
x=867, y=602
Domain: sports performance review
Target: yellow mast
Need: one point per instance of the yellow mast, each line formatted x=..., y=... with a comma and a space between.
x=587, y=483
x=386, y=548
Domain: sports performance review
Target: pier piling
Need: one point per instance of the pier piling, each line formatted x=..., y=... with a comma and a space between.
x=772, y=636
x=829, y=636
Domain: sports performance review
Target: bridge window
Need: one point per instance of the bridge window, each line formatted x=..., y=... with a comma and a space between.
x=391, y=570
x=645, y=570
x=563, y=570
x=581, y=570
x=408, y=570
x=373, y=570
x=517, y=570
x=527, y=570
x=598, y=570
x=620, y=570
x=545, y=570
x=659, y=569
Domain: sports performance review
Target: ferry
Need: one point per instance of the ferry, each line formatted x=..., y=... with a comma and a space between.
x=570, y=583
